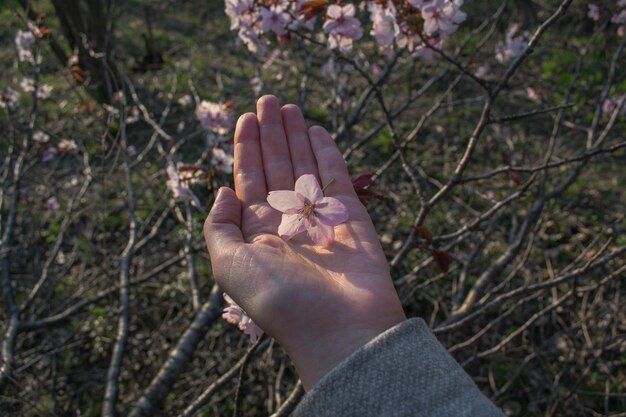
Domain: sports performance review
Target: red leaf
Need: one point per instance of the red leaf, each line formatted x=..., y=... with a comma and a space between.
x=443, y=259
x=314, y=7
x=44, y=31
x=515, y=177
x=360, y=185
x=78, y=74
x=425, y=233
x=362, y=181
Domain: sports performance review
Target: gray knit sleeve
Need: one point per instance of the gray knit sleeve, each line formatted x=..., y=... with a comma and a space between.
x=403, y=372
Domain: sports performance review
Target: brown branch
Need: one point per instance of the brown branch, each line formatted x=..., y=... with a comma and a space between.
x=111, y=390
x=208, y=393
x=291, y=402
x=70, y=312
x=179, y=356
x=459, y=321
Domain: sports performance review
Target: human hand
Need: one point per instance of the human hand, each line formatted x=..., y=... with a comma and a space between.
x=319, y=303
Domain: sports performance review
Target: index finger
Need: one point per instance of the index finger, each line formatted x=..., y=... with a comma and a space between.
x=248, y=171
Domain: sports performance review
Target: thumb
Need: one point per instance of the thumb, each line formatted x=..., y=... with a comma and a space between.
x=222, y=228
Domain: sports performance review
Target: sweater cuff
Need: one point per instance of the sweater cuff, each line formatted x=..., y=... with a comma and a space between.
x=403, y=371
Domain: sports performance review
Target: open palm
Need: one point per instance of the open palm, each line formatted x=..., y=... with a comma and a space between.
x=320, y=303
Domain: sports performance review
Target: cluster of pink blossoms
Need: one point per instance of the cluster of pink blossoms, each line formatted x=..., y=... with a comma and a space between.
x=65, y=146
x=617, y=13
x=215, y=117
x=394, y=23
x=180, y=179
x=29, y=85
x=24, y=42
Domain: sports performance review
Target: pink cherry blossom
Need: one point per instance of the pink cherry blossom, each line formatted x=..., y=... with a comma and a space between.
x=442, y=16
x=424, y=52
x=133, y=115
x=342, y=27
x=619, y=18
x=253, y=42
x=256, y=84
x=611, y=103
x=532, y=94
x=24, y=41
x=274, y=19
x=419, y=4
x=331, y=69
x=516, y=42
x=52, y=204
x=384, y=28
x=222, y=161
x=185, y=100
x=608, y=106
x=68, y=146
x=41, y=137
x=594, y=12
x=49, y=154
x=215, y=117
x=240, y=12
x=179, y=186
x=27, y=84
x=234, y=314
x=482, y=71
x=306, y=209
x=9, y=98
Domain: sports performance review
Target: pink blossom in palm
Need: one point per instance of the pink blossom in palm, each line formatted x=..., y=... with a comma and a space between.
x=306, y=209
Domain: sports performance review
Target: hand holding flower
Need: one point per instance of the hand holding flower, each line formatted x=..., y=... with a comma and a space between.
x=322, y=294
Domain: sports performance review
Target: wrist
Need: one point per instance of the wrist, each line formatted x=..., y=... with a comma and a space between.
x=316, y=357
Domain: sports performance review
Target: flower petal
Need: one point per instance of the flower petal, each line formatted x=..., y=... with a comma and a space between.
x=321, y=234
x=253, y=331
x=290, y=225
x=232, y=314
x=331, y=211
x=285, y=201
x=309, y=188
